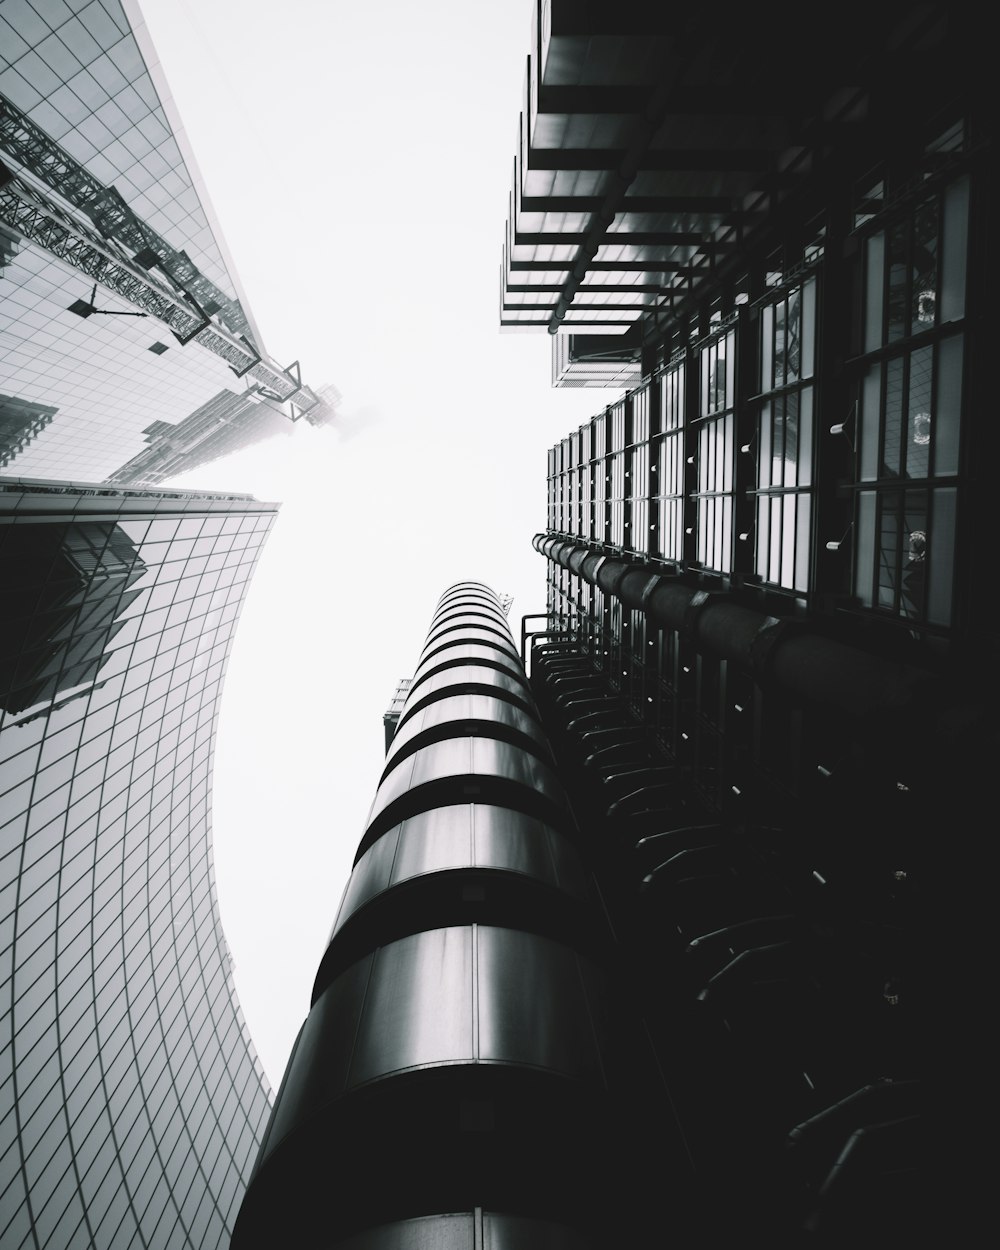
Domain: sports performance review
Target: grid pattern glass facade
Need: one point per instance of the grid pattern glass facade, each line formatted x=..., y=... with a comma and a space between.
x=668, y=456
x=909, y=403
x=716, y=439
x=133, y=1102
x=785, y=436
x=77, y=72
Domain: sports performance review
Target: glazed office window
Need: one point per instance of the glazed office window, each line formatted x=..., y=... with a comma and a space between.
x=637, y=492
x=616, y=497
x=599, y=432
x=600, y=483
x=617, y=421
x=586, y=500
x=785, y=430
x=667, y=451
x=716, y=438
x=908, y=407
x=637, y=537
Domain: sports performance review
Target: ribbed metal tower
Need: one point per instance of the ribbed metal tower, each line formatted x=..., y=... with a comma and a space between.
x=449, y=1087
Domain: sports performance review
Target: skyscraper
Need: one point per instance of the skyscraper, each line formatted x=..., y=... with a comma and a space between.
x=758, y=706
x=134, y=1101
x=120, y=312
x=772, y=671
x=462, y=1041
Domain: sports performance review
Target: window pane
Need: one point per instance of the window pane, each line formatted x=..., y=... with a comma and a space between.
x=865, y=548
x=874, y=261
x=893, y=422
x=925, y=247
x=918, y=423
x=941, y=557
x=953, y=258
x=948, y=405
x=805, y=437
x=870, y=406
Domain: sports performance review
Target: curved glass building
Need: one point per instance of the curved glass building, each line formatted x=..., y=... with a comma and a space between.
x=133, y=1101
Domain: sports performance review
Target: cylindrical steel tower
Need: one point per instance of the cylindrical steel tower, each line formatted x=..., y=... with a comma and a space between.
x=449, y=1085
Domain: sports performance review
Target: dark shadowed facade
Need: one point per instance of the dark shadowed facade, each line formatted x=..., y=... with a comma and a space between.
x=466, y=1029
x=772, y=663
x=656, y=945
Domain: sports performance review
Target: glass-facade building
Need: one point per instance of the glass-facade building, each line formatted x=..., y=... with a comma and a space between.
x=771, y=659
x=120, y=312
x=133, y=1101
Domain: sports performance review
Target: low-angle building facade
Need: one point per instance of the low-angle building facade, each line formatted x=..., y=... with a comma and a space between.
x=133, y=1100
x=772, y=665
x=461, y=1036
x=680, y=859
x=120, y=313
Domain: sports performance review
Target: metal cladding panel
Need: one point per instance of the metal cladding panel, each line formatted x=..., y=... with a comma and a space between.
x=470, y=614
x=318, y=1071
x=440, y=684
x=467, y=633
x=520, y=843
x=461, y=757
x=432, y=1232
x=461, y=995
x=455, y=652
x=370, y=876
x=473, y=835
x=520, y=1232
x=536, y=1005
x=454, y=710
x=458, y=1232
x=434, y=841
x=468, y=591
x=419, y=1007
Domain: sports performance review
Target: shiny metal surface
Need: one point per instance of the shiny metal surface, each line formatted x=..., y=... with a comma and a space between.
x=440, y=684
x=460, y=836
x=480, y=1230
x=372, y=873
x=468, y=633
x=539, y=1004
x=520, y=1232
x=458, y=651
x=458, y=758
x=318, y=1070
x=446, y=996
x=470, y=613
x=436, y=717
x=419, y=1006
x=521, y=843
x=431, y=1232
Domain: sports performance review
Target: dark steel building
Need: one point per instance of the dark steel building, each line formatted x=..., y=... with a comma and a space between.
x=655, y=946
x=773, y=661
x=461, y=1077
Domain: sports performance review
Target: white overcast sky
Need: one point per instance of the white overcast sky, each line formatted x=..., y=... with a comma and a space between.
x=359, y=159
